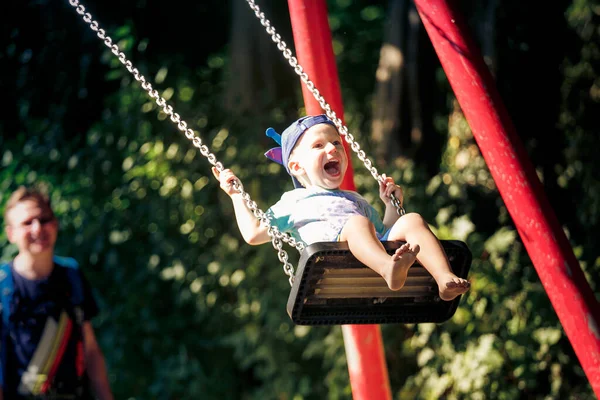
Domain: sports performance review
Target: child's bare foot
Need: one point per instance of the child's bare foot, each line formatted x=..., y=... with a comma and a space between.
x=451, y=286
x=404, y=257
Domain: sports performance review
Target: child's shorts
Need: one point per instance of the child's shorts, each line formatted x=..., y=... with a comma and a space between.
x=381, y=239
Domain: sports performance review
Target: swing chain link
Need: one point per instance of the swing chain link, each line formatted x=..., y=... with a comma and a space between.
x=343, y=129
x=293, y=61
x=277, y=237
x=396, y=203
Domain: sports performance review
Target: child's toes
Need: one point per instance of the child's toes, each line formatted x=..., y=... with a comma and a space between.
x=416, y=249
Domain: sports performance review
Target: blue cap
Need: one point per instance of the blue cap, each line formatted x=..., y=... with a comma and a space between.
x=289, y=138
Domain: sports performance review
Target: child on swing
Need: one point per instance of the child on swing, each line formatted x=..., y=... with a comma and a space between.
x=318, y=211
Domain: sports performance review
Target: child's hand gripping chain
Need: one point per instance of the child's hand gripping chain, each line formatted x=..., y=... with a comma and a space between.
x=317, y=210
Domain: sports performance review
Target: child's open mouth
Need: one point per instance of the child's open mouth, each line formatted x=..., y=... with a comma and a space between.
x=333, y=168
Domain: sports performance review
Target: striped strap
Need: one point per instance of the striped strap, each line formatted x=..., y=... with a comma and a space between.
x=37, y=378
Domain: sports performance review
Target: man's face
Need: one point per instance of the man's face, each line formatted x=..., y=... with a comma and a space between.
x=32, y=227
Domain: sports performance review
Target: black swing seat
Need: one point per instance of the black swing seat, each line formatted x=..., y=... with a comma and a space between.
x=331, y=287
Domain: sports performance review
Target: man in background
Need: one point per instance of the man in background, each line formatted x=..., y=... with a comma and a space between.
x=48, y=348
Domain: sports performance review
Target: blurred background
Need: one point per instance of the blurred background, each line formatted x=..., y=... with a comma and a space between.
x=188, y=310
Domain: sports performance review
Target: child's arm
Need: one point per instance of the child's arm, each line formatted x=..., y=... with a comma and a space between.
x=386, y=189
x=252, y=231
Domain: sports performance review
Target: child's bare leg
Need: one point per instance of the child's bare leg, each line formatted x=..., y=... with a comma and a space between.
x=364, y=245
x=413, y=229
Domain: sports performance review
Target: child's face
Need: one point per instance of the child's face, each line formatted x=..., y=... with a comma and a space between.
x=319, y=157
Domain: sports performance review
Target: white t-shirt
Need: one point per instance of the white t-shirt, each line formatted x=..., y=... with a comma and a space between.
x=318, y=215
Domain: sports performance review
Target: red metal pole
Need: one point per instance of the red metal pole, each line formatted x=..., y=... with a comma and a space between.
x=523, y=194
x=314, y=50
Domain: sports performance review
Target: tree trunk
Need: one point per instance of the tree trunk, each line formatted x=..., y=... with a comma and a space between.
x=412, y=67
x=258, y=75
x=240, y=82
x=388, y=93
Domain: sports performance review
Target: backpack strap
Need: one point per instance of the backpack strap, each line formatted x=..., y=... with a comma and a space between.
x=77, y=298
x=6, y=290
x=74, y=276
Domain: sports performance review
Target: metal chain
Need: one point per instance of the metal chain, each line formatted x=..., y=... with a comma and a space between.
x=343, y=129
x=277, y=237
x=396, y=203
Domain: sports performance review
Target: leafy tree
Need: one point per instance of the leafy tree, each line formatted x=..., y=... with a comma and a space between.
x=188, y=309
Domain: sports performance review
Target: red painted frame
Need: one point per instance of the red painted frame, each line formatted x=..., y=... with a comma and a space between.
x=314, y=50
x=509, y=164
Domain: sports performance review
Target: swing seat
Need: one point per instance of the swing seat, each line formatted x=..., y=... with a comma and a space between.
x=331, y=287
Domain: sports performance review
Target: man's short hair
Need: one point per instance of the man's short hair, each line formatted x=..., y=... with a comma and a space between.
x=23, y=193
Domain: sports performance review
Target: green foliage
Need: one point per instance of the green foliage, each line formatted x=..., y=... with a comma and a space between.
x=188, y=310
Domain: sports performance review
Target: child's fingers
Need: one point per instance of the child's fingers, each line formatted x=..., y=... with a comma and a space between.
x=215, y=172
x=383, y=185
x=390, y=189
x=399, y=195
x=230, y=179
x=383, y=192
x=225, y=177
x=384, y=180
x=395, y=190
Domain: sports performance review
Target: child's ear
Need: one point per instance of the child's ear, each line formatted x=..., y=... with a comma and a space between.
x=295, y=168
